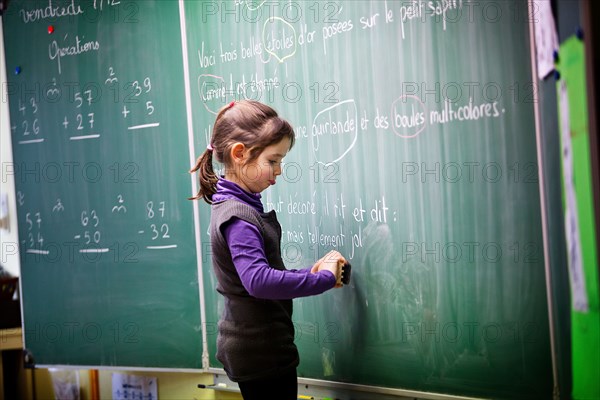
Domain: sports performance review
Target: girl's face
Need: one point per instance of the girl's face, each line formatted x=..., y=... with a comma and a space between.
x=261, y=173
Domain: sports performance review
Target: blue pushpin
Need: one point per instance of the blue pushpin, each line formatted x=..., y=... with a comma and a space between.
x=579, y=33
x=555, y=55
x=17, y=70
x=556, y=75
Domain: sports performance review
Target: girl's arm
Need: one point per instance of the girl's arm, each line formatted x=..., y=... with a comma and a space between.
x=301, y=271
x=260, y=280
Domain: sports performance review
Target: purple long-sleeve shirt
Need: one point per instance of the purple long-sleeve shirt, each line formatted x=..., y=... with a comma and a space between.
x=247, y=251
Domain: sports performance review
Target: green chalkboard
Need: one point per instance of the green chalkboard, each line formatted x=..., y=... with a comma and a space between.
x=416, y=158
x=108, y=253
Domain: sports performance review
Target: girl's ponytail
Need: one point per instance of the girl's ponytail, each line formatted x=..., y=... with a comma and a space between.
x=206, y=177
x=204, y=166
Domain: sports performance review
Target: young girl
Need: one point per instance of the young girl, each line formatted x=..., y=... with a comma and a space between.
x=256, y=335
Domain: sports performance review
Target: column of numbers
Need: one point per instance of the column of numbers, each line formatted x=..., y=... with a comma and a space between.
x=27, y=129
x=81, y=124
x=159, y=228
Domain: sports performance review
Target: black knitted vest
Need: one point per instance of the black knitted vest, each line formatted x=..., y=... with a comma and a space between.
x=256, y=336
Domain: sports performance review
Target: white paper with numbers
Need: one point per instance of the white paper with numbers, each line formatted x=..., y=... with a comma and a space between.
x=546, y=38
x=132, y=387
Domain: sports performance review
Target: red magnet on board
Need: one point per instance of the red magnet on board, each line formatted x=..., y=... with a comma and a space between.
x=50, y=29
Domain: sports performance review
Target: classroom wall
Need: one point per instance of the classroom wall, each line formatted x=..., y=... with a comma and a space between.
x=171, y=385
x=9, y=257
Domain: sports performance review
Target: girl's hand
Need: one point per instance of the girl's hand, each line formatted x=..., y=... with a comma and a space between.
x=333, y=262
x=315, y=268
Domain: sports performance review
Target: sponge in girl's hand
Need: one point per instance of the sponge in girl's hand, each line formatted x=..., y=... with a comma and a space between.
x=346, y=271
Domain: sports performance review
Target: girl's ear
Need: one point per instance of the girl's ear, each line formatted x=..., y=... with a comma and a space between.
x=238, y=152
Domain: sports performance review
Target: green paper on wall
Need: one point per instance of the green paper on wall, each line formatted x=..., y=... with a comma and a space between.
x=578, y=204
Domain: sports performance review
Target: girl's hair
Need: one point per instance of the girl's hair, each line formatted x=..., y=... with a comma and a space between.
x=254, y=124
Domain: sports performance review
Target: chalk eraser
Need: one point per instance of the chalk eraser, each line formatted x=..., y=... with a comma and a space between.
x=346, y=271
